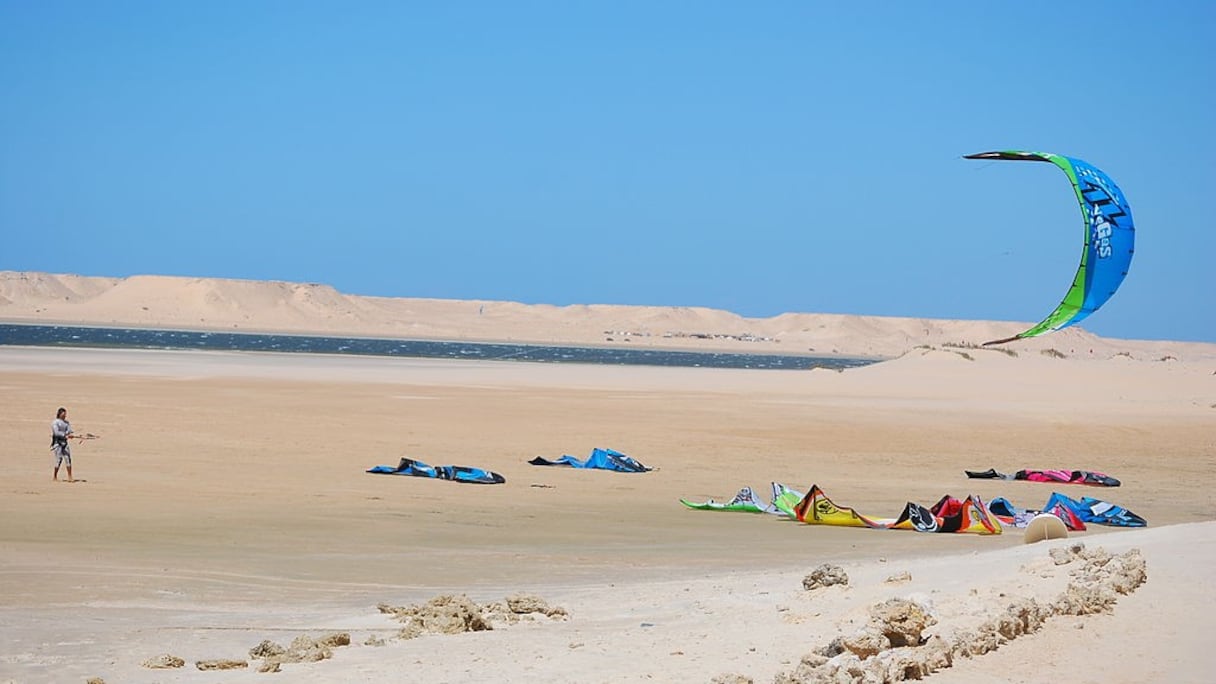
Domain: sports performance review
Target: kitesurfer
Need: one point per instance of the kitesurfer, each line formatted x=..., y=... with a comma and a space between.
x=61, y=453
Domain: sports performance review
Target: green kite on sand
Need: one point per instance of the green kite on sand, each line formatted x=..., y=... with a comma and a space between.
x=783, y=502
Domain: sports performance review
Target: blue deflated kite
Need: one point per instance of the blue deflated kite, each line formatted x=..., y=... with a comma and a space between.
x=415, y=468
x=1093, y=510
x=601, y=459
x=1074, y=513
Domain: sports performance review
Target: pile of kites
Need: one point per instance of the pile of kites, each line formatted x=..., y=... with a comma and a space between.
x=969, y=515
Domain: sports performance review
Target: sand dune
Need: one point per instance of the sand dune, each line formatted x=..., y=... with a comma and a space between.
x=241, y=305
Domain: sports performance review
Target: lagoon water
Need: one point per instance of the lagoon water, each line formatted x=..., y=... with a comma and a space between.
x=137, y=338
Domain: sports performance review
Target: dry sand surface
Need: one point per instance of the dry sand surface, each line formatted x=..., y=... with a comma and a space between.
x=226, y=504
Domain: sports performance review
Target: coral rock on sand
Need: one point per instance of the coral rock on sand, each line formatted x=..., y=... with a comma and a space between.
x=266, y=649
x=866, y=643
x=731, y=679
x=901, y=621
x=894, y=647
x=445, y=614
x=1062, y=555
x=898, y=578
x=163, y=662
x=221, y=664
x=523, y=607
x=303, y=649
x=825, y=575
x=522, y=604
x=449, y=614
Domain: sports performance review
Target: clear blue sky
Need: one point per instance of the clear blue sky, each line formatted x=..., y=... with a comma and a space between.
x=756, y=157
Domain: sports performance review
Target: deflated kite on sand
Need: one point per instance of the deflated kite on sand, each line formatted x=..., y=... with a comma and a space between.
x=415, y=468
x=1013, y=516
x=783, y=502
x=600, y=459
x=1074, y=513
x=1081, y=477
x=815, y=508
x=947, y=515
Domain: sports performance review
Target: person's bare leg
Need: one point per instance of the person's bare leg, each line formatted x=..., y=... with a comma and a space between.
x=70, y=474
x=55, y=474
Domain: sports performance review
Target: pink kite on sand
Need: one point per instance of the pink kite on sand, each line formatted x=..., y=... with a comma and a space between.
x=1081, y=477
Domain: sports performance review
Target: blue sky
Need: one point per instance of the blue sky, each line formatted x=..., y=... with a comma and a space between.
x=755, y=157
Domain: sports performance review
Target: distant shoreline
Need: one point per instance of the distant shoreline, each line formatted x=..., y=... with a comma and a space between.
x=709, y=348
x=140, y=338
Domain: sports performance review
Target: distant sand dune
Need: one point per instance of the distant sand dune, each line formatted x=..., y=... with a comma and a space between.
x=275, y=306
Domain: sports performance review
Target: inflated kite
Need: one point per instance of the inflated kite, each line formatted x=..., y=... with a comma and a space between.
x=1109, y=235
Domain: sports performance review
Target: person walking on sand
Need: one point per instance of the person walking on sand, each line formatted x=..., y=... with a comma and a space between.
x=61, y=432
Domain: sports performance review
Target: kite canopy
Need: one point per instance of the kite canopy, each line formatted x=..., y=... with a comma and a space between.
x=602, y=459
x=1081, y=477
x=746, y=500
x=783, y=503
x=455, y=473
x=1109, y=240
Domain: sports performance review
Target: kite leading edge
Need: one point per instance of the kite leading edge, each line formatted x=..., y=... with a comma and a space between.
x=1109, y=240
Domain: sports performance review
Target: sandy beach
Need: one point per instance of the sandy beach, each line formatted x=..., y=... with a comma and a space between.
x=227, y=503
